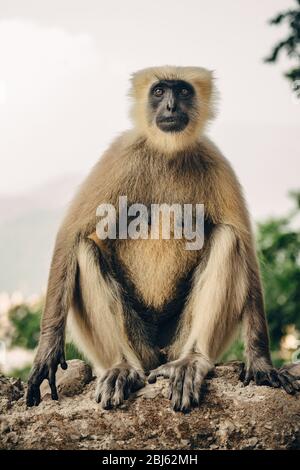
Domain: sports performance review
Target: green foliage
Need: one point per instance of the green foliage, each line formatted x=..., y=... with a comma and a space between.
x=278, y=241
x=235, y=352
x=26, y=322
x=25, y=319
x=290, y=45
x=72, y=352
x=279, y=251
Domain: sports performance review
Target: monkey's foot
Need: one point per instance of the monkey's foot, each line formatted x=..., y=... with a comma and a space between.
x=185, y=379
x=271, y=377
x=117, y=384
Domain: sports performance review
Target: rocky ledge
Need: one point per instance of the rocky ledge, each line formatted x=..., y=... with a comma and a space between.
x=231, y=416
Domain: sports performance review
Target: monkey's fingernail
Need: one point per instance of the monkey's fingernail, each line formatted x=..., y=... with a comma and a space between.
x=152, y=379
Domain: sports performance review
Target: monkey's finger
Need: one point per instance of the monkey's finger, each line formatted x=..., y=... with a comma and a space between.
x=137, y=384
x=177, y=388
x=289, y=376
x=120, y=386
x=248, y=378
x=37, y=396
x=261, y=378
x=108, y=389
x=286, y=385
x=295, y=377
x=291, y=379
x=161, y=371
x=63, y=364
x=198, y=379
x=152, y=377
x=33, y=392
x=30, y=400
x=296, y=386
x=52, y=384
x=242, y=373
x=98, y=392
x=136, y=380
x=273, y=379
x=187, y=390
x=106, y=399
x=171, y=382
x=33, y=395
x=100, y=387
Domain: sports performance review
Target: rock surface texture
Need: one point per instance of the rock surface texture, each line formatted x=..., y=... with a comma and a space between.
x=231, y=416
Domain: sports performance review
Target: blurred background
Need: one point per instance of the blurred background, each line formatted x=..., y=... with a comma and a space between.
x=64, y=70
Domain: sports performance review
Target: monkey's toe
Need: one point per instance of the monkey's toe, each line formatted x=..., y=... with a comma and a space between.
x=185, y=387
x=185, y=380
x=115, y=386
x=289, y=382
x=33, y=397
x=272, y=378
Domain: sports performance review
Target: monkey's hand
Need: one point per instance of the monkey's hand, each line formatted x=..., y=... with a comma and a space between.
x=45, y=367
x=116, y=384
x=271, y=377
x=185, y=379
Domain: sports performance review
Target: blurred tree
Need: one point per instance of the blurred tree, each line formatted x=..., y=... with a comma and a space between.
x=25, y=319
x=26, y=322
x=278, y=244
x=290, y=45
x=279, y=251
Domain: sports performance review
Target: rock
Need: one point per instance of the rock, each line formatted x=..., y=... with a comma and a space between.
x=252, y=442
x=268, y=426
x=69, y=382
x=230, y=417
x=11, y=390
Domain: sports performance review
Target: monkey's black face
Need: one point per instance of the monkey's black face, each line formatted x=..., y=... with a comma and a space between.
x=171, y=102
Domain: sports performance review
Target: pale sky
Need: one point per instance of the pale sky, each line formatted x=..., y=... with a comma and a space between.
x=64, y=70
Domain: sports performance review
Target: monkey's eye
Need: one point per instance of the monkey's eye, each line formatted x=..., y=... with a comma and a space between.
x=184, y=92
x=158, y=91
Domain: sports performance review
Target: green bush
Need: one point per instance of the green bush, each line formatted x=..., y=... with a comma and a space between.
x=278, y=245
x=26, y=325
x=26, y=319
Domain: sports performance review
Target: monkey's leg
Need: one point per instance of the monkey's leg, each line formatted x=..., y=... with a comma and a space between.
x=97, y=325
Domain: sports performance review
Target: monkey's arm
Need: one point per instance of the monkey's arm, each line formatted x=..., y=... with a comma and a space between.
x=60, y=290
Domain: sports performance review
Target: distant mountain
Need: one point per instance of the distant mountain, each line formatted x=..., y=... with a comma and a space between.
x=28, y=226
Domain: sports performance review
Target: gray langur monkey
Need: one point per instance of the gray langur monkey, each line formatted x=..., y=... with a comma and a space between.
x=149, y=306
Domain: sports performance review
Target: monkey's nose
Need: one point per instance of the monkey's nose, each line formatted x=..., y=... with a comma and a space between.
x=171, y=106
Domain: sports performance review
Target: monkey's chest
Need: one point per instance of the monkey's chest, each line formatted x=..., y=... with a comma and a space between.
x=155, y=268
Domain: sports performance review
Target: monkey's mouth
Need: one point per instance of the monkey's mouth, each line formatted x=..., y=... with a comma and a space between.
x=174, y=123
